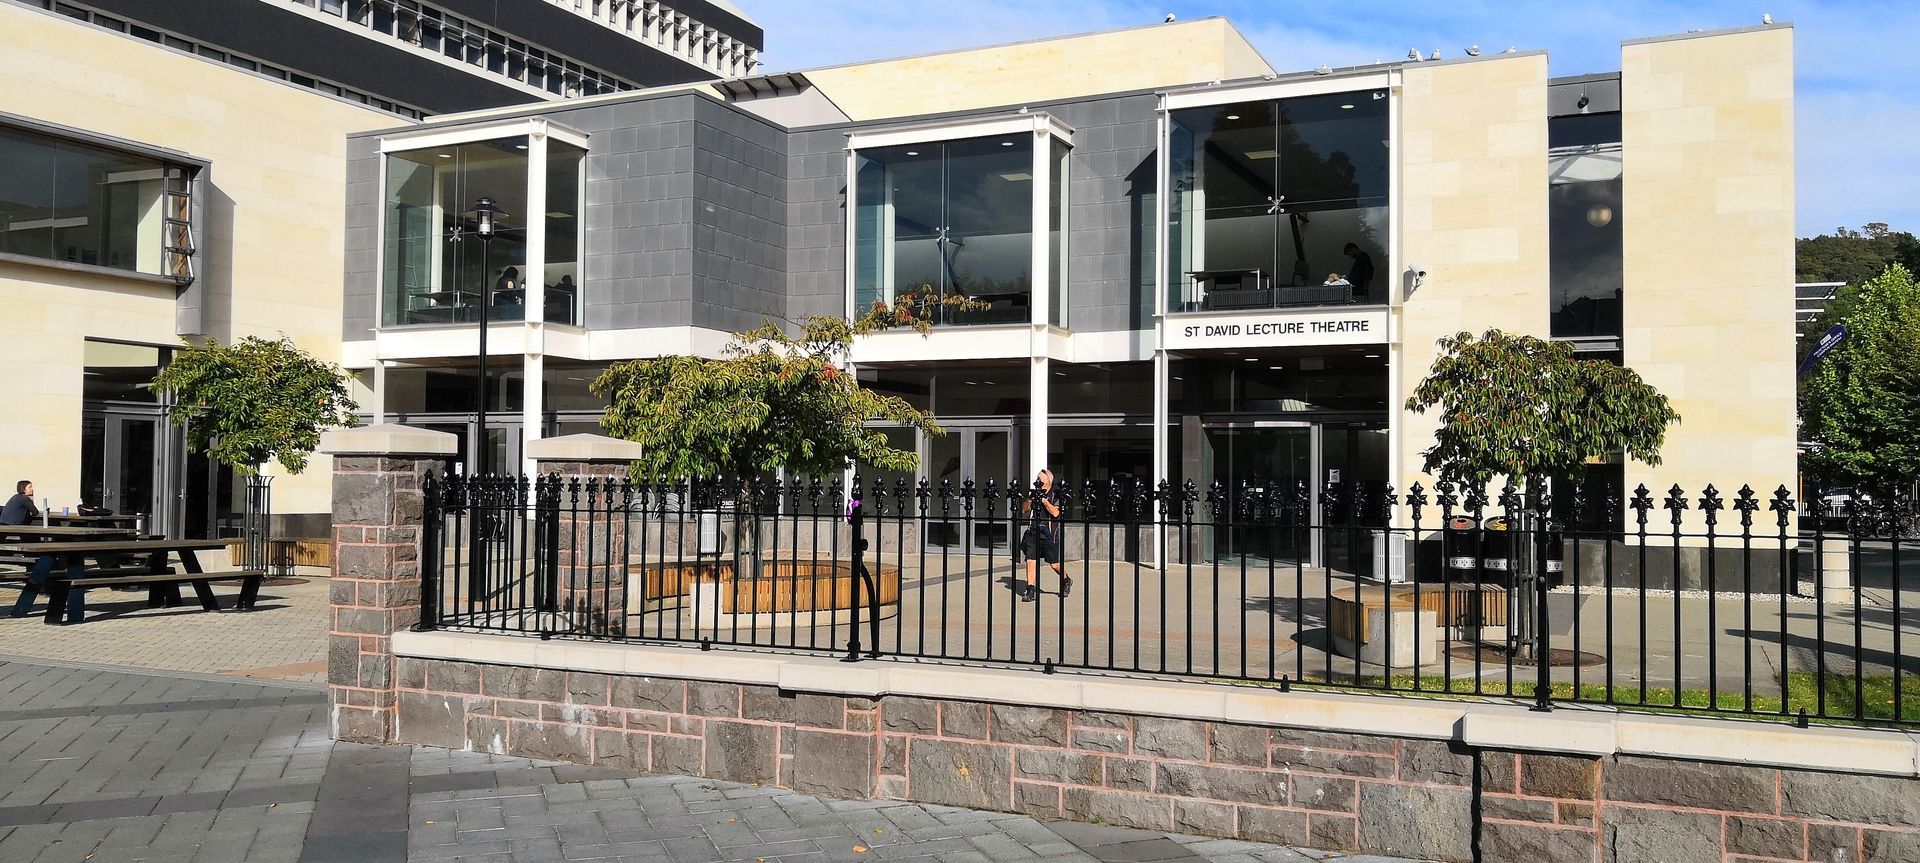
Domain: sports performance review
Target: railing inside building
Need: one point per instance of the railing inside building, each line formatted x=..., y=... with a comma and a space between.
x=1729, y=604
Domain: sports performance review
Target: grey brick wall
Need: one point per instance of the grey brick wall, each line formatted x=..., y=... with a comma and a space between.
x=1110, y=220
x=639, y=211
x=816, y=223
x=361, y=308
x=739, y=215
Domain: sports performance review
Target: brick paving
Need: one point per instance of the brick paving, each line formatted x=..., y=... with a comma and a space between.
x=107, y=765
x=283, y=638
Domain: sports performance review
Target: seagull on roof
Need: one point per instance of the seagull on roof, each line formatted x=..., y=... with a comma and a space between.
x=1169, y=19
x=1473, y=50
x=1436, y=54
x=1413, y=53
x=1766, y=17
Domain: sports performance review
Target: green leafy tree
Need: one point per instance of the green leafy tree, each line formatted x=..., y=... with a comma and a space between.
x=917, y=308
x=774, y=401
x=1860, y=407
x=255, y=400
x=1850, y=256
x=1525, y=408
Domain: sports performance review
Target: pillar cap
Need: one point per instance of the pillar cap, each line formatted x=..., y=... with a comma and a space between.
x=583, y=448
x=388, y=439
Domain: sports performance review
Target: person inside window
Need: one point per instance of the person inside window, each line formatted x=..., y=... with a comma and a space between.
x=1042, y=538
x=1360, y=275
x=20, y=508
x=1335, y=280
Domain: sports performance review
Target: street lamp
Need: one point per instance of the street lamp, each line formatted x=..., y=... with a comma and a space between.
x=485, y=213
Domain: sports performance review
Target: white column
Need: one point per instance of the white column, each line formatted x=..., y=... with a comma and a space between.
x=1162, y=377
x=1037, y=378
x=534, y=278
x=1162, y=440
x=1041, y=279
x=533, y=397
x=379, y=391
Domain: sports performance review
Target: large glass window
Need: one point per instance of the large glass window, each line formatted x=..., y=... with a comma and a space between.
x=565, y=165
x=1583, y=225
x=67, y=201
x=432, y=278
x=950, y=219
x=1279, y=203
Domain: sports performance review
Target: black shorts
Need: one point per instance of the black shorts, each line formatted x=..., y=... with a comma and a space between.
x=1034, y=546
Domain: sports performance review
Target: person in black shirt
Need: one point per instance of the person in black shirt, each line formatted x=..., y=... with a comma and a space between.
x=1361, y=275
x=20, y=508
x=1042, y=538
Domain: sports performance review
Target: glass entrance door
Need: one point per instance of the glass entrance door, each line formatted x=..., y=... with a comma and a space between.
x=120, y=463
x=984, y=455
x=1260, y=461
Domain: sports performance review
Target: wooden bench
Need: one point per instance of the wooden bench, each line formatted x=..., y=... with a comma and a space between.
x=1382, y=624
x=67, y=603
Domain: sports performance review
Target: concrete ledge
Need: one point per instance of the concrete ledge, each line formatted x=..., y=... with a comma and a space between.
x=582, y=447
x=388, y=439
x=1853, y=750
x=1517, y=728
x=1571, y=730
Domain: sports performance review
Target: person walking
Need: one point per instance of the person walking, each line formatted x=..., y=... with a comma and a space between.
x=20, y=508
x=1041, y=542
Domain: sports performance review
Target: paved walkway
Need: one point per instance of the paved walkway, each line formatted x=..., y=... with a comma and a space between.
x=283, y=638
x=106, y=765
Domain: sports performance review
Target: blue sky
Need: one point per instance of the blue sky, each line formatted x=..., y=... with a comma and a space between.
x=1857, y=64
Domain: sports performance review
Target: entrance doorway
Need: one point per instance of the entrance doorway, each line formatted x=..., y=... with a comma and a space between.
x=983, y=454
x=120, y=462
x=1269, y=462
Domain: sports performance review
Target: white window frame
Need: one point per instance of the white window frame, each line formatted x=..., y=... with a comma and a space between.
x=1041, y=130
x=538, y=131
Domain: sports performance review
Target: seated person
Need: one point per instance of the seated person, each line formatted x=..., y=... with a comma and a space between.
x=19, y=508
x=1335, y=280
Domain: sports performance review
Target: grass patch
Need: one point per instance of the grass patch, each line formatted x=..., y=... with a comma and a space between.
x=1875, y=704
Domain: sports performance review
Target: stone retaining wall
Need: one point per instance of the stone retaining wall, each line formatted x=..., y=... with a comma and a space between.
x=1418, y=798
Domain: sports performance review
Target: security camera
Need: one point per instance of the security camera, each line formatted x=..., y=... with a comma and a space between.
x=1416, y=271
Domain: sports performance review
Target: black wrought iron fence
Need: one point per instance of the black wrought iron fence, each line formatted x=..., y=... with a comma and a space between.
x=1717, y=603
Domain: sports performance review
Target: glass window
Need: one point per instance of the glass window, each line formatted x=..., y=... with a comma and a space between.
x=1057, y=236
x=1322, y=380
x=1083, y=454
x=1279, y=203
x=565, y=165
x=450, y=390
x=1101, y=388
x=119, y=372
x=430, y=276
x=72, y=202
x=1583, y=225
x=959, y=391
x=950, y=219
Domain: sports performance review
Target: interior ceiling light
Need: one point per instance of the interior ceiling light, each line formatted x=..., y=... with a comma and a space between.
x=1233, y=116
x=1016, y=176
x=1251, y=360
x=1347, y=107
x=1261, y=154
x=913, y=152
x=1006, y=143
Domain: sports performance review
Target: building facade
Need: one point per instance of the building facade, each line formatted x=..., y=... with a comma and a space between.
x=1185, y=265
x=176, y=170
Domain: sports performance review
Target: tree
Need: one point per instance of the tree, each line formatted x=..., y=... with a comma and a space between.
x=255, y=400
x=1852, y=257
x=774, y=401
x=1860, y=407
x=1525, y=408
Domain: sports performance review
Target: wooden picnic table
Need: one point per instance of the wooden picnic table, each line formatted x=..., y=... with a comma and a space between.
x=34, y=531
x=73, y=520
x=66, y=590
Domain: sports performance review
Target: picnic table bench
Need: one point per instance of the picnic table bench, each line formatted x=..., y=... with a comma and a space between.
x=66, y=590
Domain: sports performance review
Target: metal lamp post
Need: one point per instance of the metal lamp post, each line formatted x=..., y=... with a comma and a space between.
x=485, y=214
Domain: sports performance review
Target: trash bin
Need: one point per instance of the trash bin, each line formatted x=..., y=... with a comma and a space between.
x=1496, y=548
x=1462, y=545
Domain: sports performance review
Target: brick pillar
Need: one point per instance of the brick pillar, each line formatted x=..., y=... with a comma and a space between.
x=377, y=514
x=592, y=530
